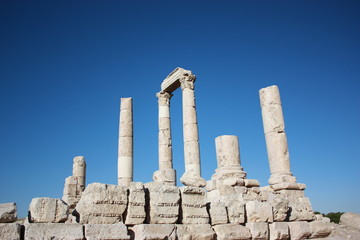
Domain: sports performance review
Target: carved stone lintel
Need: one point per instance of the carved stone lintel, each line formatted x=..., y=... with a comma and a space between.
x=187, y=81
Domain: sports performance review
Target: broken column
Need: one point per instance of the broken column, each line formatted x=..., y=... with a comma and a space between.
x=75, y=184
x=125, y=151
x=166, y=174
x=192, y=175
x=276, y=142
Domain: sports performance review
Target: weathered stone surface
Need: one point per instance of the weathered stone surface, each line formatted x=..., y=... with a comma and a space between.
x=259, y=231
x=164, y=203
x=319, y=229
x=279, y=231
x=116, y=231
x=153, y=232
x=48, y=210
x=125, y=149
x=299, y=230
x=257, y=211
x=218, y=213
x=54, y=231
x=350, y=220
x=8, y=212
x=300, y=209
x=10, y=231
x=236, y=211
x=136, y=207
x=75, y=184
x=280, y=206
x=195, y=232
x=232, y=232
x=193, y=203
x=102, y=204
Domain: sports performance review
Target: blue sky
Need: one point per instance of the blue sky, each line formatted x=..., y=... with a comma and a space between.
x=64, y=65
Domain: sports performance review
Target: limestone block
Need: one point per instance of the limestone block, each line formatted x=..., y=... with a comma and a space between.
x=257, y=211
x=10, y=231
x=235, y=206
x=194, y=205
x=8, y=212
x=218, y=213
x=300, y=209
x=136, y=207
x=232, y=232
x=102, y=204
x=299, y=230
x=48, y=210
x=319, y=229
x=259, y=231
x=195, y=232
x=153, y=232
x=280, y=206
x=350, y=220
x=54, y=231
x=165, y=176
x=279, y=231
x=164, y=203
x=116, y=231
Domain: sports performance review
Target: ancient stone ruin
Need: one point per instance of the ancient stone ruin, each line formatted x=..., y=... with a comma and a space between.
x=228, y=206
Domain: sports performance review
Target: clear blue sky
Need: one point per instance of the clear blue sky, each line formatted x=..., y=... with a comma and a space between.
x=64, y=65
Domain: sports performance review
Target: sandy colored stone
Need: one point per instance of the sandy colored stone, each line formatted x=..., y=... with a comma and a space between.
x=10, y=231
x=259, y=231
x=125, y=148
x=350, y=220
x=102, y=204
x=195, y=232
x=300, y=209
x=164, y=203
x=279, y=231
x=54, y=231
x=299, y=230
x=218, y=213
x=232, y=232
x=8, y=212
x=257, y=211
x=319, y=229
x=116, y=231
x=136, y=204
x=153, y=232
x=193, y=205
x=280, y=206
x=48, y=210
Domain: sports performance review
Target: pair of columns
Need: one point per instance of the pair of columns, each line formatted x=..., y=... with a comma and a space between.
x=166, y=174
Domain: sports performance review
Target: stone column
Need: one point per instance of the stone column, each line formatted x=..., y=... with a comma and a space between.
x=79, y=172
x=166, y=174
x=275, y=136
x=192, y=175
x=125, y=152
x=228, y=156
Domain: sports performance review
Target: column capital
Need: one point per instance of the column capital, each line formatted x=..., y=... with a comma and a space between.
x=163, y=94
x=187, y=81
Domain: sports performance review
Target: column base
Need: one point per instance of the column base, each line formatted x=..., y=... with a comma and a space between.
x=191, y=178
x=288, y=186
x=124, y=181
x=165, y=176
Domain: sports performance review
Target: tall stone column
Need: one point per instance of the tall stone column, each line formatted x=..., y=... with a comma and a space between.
x=192, y=175
x=125, y=150
x=276, y=141
x=166, y=174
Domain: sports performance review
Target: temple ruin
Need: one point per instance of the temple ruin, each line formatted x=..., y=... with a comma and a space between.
x=227, y=206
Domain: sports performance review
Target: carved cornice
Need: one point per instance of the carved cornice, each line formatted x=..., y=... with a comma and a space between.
x=187, y=81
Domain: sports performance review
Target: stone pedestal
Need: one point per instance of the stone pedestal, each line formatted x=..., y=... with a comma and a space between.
x=166, y=174
x=276, y=142
x=192, y=175
x=125, y=154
